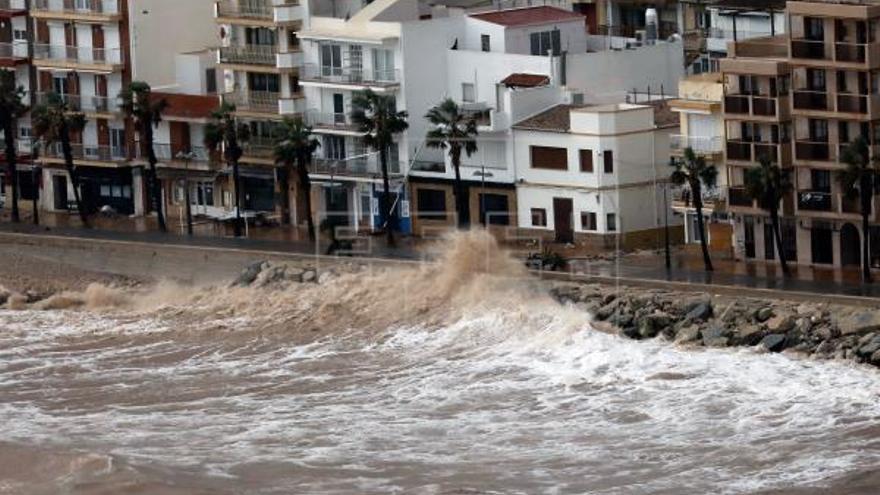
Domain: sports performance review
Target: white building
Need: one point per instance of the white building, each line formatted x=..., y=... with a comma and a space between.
x=594, y=174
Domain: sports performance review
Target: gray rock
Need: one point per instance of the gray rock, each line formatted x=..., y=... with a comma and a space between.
x=309, y=275
x=803, y=326
x=653, y=324
x=858, y=323
x=775, y=342
x=825, y=348
x=608, y=298
x=716, y=335
x=806, y=310
x=749, y=334
x=780, y=323
x=621, y=320
x=608, y=309
x=325, y=277
x=763, y=314
x=250, y=273
x=875, y=358
x=688, y=334
x=700, y=311
x=869, y=346
x=630, y=332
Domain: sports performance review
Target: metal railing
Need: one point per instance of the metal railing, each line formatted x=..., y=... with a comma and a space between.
x=78, y=54
x=739, y=104
x=14, y=50
x=88, y=152
x=700, y=144
x=23, y=146
x=808, y=49
x=349, y=75
x=248, y=9
x=110, y=7
x=805, y=99
x=807, y=150
x=166, y=152
x=341, y=120
x=8, y=5
x=737, y=196
x=80, y=103
x=254, y=101
x=248, y=54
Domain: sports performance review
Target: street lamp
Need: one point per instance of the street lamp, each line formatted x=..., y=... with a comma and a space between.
x=186, y=158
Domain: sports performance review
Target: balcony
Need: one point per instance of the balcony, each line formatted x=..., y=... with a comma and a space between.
x=349, y=76
x=99, y=10
x=814, y=201
x=13, y=53
x=88, y=152
x=850, y=52
x=289, y=60
x=254, y=101
x=12, y=7
x=248, y=55
x=737, y=196
x=259, y=147
x=808, y=49
x=167, y=153
x=329, y=121
x=87, y=104
x=811, y=100
x=257, y=10
x=361, y=166
x=739, y=150
x=858, y=104
x=814, y=151
x=60, y=55
x=702, y=145
x=23, y=146
x=763, y=106
x=737, y=104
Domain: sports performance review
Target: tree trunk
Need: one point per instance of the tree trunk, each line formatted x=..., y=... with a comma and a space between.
x=387, y=206
x=305, y=184
x=701, y=227
x=777, y=234
x=71, y=171
x=866, y=192
x=156, y=183
x=9, y=134
x=455, y=153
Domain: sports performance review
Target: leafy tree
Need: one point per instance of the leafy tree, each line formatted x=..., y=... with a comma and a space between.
x=454, y=131
x=294, y=149
x=768, y=184
x=859, y=179
x=377, y=117
x=696, y=173
x=138, y=104
x=226, y=133
x=53, y=122
x=11, y=108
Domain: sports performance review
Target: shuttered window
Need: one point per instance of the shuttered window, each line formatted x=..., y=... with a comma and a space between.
x=586, y=161
x=549, y=158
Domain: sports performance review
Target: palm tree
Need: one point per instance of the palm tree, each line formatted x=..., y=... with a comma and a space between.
x=53, y=122
x=294, y=148
x=696, y=173
x=377, y=117
x=11, y=108
x=137, y=103
x=859, y=179
x=768, y=184
x=226, y=133
x=455, y=131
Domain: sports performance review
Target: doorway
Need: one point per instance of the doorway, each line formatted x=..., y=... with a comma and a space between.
x=749, y=236
x=850, y=246
x=562, y=214
x=59, y=186
x=822, y=245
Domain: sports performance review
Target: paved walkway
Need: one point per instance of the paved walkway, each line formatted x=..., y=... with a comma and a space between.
x=686, y=269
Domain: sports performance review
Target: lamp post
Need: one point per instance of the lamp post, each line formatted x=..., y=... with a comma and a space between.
x=186, y=158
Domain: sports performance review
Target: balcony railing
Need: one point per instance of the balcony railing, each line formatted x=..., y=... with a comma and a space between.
x=700, y=144
x=739, y=150
x=333, y=120
x=14, y=50
x=810, y=100
x=246, y=9
x=808, y=49
x=109, y=7
x=254, y=101
x=814, y=201
x=738, y=104
x=88, y=152
x=818, y=151
x=80, y=103
x=165, y=152
x=767, y=151
x=851, y=103
x=78, y=54
x=12, y=5
x=737, y=196
x=349, y=75
x=259, y=147
x=23, y=146
x=248, y=54
x=765, y=107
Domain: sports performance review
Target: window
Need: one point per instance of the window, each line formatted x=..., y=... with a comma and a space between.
x=260, y=36
x=268, y=83
x=588, y=221
x=818, y=130
x=814, y=28
x=821, y=180
x=549, y=158
x=485, y=43
x=19, y=35
x=546, y=42
x=467, y=93
x=383, y=64
x=608, y=161
x=331, y=60
x=494, y=209
x=211, y=81
x=431, y=204
x=539, y=217
x=611, y=222
x=334, y=147
x=586, y=161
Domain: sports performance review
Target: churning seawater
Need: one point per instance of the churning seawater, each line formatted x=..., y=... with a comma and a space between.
x=477, y=387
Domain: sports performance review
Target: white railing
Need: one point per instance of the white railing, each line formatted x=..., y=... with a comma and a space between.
x=78, y=54
x=700, y=144
x=110, y=7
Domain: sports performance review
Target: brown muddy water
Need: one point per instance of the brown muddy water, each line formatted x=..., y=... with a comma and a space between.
x=462, y=377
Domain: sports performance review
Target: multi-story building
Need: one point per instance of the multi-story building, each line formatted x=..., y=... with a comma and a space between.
x=800, y=99
x=699, y=105
x=260, y=58
x=595, y=174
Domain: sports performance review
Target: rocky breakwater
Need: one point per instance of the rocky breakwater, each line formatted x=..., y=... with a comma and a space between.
x=821, y=330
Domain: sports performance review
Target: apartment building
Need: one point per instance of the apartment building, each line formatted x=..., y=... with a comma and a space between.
x=699, y=105
x=800, y=99
x=260, y=59
x=595, y=174
x=502, y=66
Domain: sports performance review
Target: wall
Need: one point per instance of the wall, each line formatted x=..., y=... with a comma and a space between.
x=572, y=33
x=162, y=28
x=190, y=72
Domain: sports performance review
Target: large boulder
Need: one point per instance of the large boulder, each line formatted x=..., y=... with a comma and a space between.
x=613, y=306
x=763, y=314
x=868, y=345
x=775, y=342
x=780, y=323
x=716, y=335
x=749, y=334
x=687, y=334
x=699, y=311
x=654, y=323
x=858, y=323
x=250, y=273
